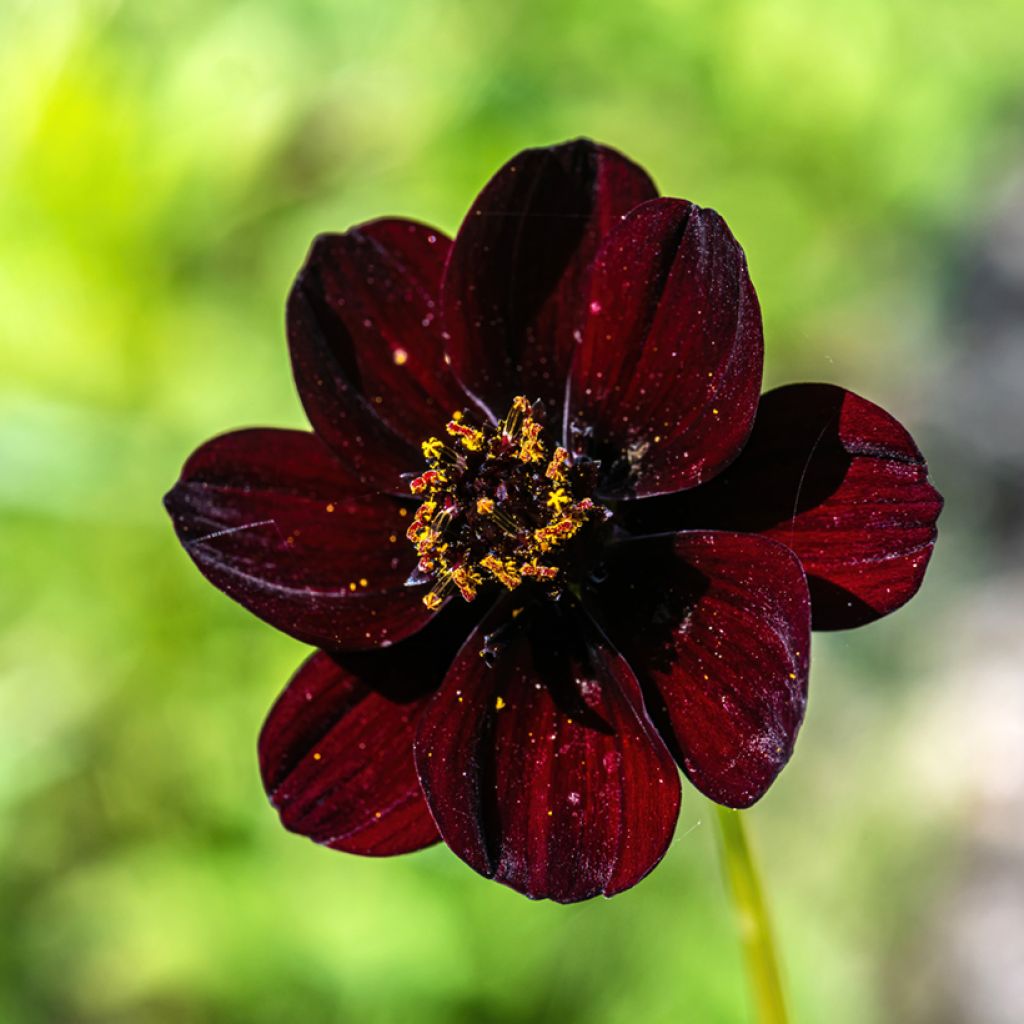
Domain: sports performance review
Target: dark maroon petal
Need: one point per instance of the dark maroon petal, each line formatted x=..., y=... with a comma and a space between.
x=516, y=285
x=543, y=771
x=272, y=519
x=717, y=628
x=669, y=368
x=366, y=345
x=336, y=754
x=839, y=481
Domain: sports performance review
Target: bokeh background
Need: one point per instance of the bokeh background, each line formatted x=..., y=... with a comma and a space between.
x=163, y=167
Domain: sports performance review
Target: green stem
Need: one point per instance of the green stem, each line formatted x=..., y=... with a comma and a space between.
x=752, y=917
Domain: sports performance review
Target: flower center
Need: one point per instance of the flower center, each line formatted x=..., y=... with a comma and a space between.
x=498, y=506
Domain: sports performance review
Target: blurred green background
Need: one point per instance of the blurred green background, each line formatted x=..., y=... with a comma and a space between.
x=163, y=168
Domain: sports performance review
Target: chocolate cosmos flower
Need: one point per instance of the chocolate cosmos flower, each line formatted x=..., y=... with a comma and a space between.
x=548, y=536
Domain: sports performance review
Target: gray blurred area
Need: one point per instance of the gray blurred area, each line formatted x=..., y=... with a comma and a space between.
x=968, y=953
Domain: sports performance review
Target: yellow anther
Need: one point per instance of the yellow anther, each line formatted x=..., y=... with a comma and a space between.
x=531, y=449
x=535, y=512
x=503, y=572
x=472, y=440
x=558, y=530
x=533, y=571
x=418, y=526
x=558, y=499
x=442, y=585
x=509, y=426
x=556, y=467
x=429, y=480
x=467, y=579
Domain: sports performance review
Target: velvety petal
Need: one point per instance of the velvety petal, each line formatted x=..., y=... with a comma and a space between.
x=668, y=372
x=717, y=628
x=516, y=285
x=839, y=481
x=336, y=754
x=543, y=771
x=366, y=344
x=336, y=749
x=272, y=519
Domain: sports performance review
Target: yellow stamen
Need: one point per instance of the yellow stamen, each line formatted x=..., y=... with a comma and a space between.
x=535, y=512
x=472, y=440
x=556, y=467
x=503, y=572
x=531, y=449
x=509, y=426
x=558, y=499
x=467, y=579
x=534, y=571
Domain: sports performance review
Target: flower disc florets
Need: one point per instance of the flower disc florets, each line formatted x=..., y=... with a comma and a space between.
x=499, y=504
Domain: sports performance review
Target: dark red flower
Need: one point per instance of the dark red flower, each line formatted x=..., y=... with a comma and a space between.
x=548, y=536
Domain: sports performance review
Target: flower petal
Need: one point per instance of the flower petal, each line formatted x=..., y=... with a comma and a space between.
x=272, y=519
x=839, y=481
x=516, y=285
x=336, y=754
x=367, y=348
x=669, y=368
x=543, y=771
x=717, y=628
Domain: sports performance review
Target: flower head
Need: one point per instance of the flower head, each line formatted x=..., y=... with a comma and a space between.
x=548, y=536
